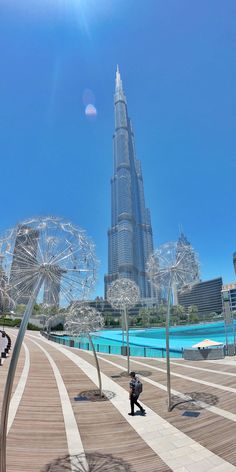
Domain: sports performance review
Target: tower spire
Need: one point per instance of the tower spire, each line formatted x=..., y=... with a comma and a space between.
x=130, y=235
x=118, y=80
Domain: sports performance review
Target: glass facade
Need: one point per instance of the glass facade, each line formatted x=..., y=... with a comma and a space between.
x=205, y=295
x=24, y=255
x=234, y=261
x=130, y=240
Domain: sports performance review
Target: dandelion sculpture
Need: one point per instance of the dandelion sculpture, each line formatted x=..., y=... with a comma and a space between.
x=83, y=320
x=49, y=260
x=167, y=268
x=122, y=294
x=55, y=320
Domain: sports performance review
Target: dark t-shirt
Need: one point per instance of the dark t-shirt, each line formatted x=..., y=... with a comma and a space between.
x=132, y=385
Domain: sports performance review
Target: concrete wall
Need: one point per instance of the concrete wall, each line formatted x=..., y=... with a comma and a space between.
x=201, y=354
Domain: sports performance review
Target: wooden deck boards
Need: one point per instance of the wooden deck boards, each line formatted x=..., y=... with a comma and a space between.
x=101, y=426
x=210, y=430
x=38, y=434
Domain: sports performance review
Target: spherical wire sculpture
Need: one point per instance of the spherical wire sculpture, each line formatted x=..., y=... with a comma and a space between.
x=50, y=261
x=122, y=294
x=84, y=319
x=167, y=268
x=54, y=248
x=172, y=261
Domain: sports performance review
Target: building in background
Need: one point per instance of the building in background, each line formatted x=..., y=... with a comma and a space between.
x=104, y=307
x=24, y=257
x=188, y=264
x=189, y=261
x=205, y=295
x=130, y=240
x=234, y=261
x=231, y=292
x=4, y=301
x=52, y=287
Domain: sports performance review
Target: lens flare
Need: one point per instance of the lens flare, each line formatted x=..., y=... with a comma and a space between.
x=90, y=111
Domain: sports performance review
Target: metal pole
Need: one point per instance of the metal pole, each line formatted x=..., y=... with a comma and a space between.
x=168, y=344
x=11, y=372
x=97, y=364
x=233, y=331
x=127, y=337
x=122, y=325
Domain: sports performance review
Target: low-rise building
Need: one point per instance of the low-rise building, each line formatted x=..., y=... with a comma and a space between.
x=230, y=289
x=205, y=295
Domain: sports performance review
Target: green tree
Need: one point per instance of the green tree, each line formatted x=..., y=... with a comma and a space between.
x=192, y=309
x=177, y=310
x=20, y=309
x=162, y=309
x=144, y=314
x=193, y=318
x=174, y=319
x=37, y=309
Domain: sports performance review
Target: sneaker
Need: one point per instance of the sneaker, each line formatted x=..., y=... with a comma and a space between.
x=143, y=412
x=131, y=414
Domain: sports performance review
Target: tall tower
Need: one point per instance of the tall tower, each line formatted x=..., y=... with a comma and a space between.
x=4, y=303
x=189, y=265
x=234, y=261
x=130, y=239
x=24, y=257
x=52, y=286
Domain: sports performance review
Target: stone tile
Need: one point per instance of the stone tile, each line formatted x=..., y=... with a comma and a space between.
x=182, y=441
x=181, y=452
x=200, y=466
x=182, y=469
x=201, y=454
x=222, y=468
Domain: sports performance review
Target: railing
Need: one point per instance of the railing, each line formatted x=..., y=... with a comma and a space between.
x=135, y=350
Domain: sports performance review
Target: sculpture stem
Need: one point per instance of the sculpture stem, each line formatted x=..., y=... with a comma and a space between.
x=127, y=337
x=167, y=344
x=12, y=370
x=97, y=365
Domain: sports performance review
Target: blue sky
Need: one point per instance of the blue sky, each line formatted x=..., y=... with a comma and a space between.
x=177, y=62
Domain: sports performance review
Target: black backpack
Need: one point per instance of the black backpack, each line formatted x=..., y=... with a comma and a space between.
x=138, y=387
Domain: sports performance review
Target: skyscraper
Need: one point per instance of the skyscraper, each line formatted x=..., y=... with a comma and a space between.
x=52, y=286
x=130, y=239
x=4, y=302
x=24, y=258
x=234, y=261
x=189, y=262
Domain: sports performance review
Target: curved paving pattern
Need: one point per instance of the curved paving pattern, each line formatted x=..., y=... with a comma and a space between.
x=46, y=422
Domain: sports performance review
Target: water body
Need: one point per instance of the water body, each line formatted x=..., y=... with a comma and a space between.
x=180, y=336
x=151, y=341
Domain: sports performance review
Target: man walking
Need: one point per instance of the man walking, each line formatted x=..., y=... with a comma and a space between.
x=135, y=388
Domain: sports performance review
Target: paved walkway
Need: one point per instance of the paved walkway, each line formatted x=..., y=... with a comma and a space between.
x=45, y=421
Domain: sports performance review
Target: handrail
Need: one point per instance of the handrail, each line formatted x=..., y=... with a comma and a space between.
x=109, y=348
